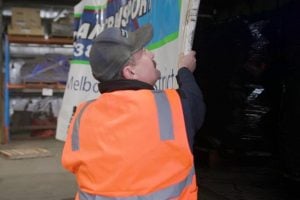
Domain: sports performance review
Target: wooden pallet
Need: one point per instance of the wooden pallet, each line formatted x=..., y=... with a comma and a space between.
x=25, y=153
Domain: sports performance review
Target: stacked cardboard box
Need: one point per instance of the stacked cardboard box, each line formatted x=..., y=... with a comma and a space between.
x=25, y=21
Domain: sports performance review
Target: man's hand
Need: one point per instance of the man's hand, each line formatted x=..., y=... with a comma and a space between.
x=188, y=60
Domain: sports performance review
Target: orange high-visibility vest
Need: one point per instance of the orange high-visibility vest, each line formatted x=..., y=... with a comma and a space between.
x=131, y=145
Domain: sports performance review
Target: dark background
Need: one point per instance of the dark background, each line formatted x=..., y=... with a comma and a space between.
x=248, y=68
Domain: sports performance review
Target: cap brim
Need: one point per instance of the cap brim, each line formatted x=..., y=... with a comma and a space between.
x=143, y=36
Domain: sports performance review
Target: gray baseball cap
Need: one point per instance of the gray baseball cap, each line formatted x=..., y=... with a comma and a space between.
x=113, y=47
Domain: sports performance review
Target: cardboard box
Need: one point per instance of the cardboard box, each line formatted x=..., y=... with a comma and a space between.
x=33, y=31
x=25, y=17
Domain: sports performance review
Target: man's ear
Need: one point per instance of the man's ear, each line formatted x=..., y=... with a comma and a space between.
x=128, y=72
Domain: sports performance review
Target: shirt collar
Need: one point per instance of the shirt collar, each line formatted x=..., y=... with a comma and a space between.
x=124, y=84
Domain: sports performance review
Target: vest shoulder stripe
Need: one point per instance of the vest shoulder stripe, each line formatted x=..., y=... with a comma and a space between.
x=75, y=130
x=164, y=115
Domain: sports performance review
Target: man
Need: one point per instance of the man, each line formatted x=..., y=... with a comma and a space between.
x=134, y=142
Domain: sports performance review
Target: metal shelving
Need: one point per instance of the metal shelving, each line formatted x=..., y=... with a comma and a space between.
x=17, y=46
x=27, y=88
x=39, y=40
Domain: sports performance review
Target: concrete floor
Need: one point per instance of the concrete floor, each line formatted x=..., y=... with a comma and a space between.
x=247, y=178
x=45, y=179
x=36, y=178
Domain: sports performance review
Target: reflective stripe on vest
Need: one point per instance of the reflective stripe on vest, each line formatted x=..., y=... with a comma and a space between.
x=75, y=131
x=164, y=116
x=170, y=192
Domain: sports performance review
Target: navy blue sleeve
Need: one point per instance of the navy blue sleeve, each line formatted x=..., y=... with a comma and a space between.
x=192, y=102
